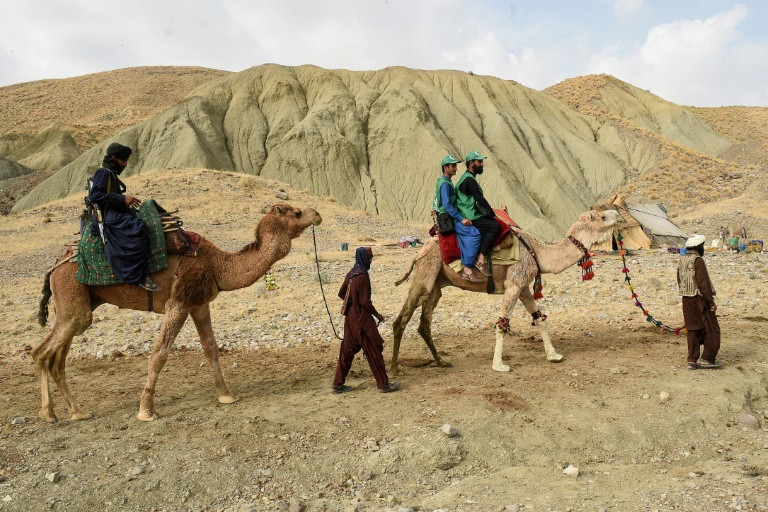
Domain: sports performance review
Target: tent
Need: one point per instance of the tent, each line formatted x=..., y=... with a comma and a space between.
x=644, y=226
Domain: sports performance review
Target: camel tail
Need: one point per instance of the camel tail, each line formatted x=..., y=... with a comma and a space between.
x=42, y=313
x=407, y=274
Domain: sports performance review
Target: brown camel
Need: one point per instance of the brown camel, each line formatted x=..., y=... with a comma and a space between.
x=511, y=280
x=188, y=285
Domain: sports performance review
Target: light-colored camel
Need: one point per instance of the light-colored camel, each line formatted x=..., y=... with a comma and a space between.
x=188, y=285
x=431, y=275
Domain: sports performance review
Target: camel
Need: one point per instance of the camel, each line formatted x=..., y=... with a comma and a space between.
x=188, y=285
x=431, y=275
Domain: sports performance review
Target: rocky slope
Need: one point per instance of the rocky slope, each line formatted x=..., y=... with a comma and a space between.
x=644, y=433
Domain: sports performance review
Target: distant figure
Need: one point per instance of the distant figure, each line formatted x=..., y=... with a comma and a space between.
x=722, y=234
x=445, y=205
x=472, y=204
x=360, y=331
x=126, y=236
x=698, y=306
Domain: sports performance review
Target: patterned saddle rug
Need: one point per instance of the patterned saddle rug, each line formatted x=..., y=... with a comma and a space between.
x=93, y=268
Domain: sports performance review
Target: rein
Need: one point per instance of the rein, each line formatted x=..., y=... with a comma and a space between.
x=648, y=317
x=320, y=280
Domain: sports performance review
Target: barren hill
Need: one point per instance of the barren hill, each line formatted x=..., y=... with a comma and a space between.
x=93, y=106
x=373, y=140
x=673, y=153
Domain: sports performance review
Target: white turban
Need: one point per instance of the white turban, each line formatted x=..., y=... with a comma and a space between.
x=695, y=241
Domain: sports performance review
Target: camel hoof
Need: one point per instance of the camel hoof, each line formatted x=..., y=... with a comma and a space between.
x=47, y=416
x=228, y=399
x=81, y=416
x=395, y=370
x=555, y=358
x=501, y=367
x=145, y=416
x=444, y=364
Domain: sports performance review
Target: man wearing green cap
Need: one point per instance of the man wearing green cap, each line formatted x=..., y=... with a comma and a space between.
x=472, y=204
x=467, y=234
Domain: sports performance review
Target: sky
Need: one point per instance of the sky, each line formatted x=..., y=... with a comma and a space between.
x=690, y=52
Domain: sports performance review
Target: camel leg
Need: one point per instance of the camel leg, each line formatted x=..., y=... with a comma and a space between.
x=175, y=316
x=42, y=362
x=527, y=299
x=58, y=372
x=425, y=325
x=202, y=318
x=511, y=294
x=412, y=302
x=50, y=357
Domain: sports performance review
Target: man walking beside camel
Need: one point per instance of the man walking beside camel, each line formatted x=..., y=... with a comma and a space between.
x=360, y=331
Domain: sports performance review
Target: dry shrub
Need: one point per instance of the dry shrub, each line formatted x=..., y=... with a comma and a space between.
x=247, y=183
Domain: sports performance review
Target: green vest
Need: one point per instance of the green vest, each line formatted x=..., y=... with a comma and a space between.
x=465, y=203
x=437, y=203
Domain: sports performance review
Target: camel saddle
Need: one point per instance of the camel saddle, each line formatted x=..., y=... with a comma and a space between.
x=449, y=245
x=166, y=237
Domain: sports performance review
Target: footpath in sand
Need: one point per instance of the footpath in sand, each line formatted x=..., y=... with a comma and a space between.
x=645, y=433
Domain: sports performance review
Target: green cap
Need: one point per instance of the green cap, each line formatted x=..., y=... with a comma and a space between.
x=450, y=159
x=474, y=155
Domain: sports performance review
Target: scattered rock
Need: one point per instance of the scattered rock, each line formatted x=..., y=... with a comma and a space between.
x=748, y=420
x=137, y=471
x=7, y=498
x=281, y=194
x=449, y=430
x=364, y=474
x=646, y=396
x=282, y=505
x=18, y=420
x=53, y=477
x=616, y=370
x=571, y=471
x=296, y=505
x=664, y=396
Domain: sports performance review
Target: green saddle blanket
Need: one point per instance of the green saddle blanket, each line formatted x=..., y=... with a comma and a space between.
x=92, y=265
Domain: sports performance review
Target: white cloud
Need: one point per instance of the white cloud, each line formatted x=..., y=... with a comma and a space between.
x=624, y=9
x=701, y=62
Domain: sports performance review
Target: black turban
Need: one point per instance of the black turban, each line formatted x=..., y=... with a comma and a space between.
x=118, y=151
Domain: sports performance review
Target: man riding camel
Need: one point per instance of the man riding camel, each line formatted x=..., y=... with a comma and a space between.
x=126, y=236
x=445, y=204
x=472, y=204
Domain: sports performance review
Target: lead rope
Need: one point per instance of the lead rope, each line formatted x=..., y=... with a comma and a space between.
x=663, y=328
x=320, y=280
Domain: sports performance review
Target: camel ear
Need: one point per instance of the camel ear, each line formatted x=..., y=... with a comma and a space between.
x=278, y=209
x=591, y=214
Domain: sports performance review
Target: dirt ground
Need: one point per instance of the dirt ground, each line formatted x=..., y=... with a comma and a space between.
x=645, y=433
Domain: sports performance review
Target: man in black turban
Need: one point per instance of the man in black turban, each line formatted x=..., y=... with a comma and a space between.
x=126, y=235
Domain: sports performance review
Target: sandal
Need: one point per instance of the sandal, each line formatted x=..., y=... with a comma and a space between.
x=708, y=365
x=482, y=267
x=150, y=285
x=471, y=278
x=390, y=387
x=693, y=366
x=340, y=389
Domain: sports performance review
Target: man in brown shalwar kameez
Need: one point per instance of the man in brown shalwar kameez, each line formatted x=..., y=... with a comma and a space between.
x=698, y=306
x=360, y=330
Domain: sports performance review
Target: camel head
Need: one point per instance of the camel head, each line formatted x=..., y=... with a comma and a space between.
x=285, y=219
x=594, y=226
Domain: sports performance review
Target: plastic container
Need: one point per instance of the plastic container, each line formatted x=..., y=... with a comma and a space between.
x=683, y=251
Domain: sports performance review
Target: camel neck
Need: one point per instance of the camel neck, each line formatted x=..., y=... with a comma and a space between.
x=235, y=270
x=553, y=259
